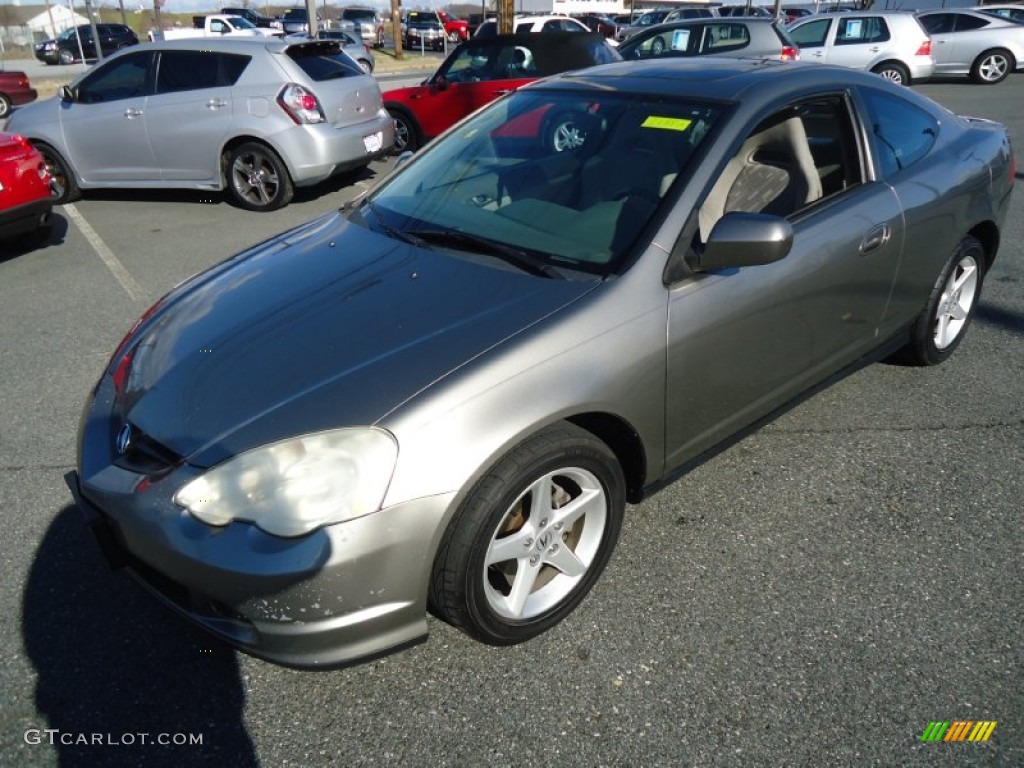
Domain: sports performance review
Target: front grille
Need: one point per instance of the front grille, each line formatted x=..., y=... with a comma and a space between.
x=147, y=456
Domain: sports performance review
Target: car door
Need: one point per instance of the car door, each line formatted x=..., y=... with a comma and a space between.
x=473, y=77
x=859, y=41
x=813, y=38
x=955, y=43
x=190, y=112
x=104, y=126
x=765, y=333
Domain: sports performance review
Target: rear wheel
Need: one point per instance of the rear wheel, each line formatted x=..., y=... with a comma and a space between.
x=992, y=67
x=894, y=72
x=531, y=538
x=63, y=187
x=657, y=46
x=65, y=56
x=258, y=178
x=943, y=322
x=5, y=105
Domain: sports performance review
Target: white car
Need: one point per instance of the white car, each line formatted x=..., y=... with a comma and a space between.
x=534, y=24
x=1011, y=12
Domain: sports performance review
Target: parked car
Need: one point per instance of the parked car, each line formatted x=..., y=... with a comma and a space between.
x=791, y=14
x=985, y=47
x=523, y=24
x=645, y=20
x=254, y=18
x=257, y=116
x=25, y=202
x=69, y=46
x=448, y=391
x=681, y=14
x=479, y=71
x=369, y=23
x=600, y=24
x=456, y=29
x=728, y=11
x=352, y=45
x=743, y=37
x=296, y=21
x=1010, y=12
x=215, y=25
x=892, y=44
x=15, y=90
x=422, y=29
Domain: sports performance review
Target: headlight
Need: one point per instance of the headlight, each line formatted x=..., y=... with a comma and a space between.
x=295, y=486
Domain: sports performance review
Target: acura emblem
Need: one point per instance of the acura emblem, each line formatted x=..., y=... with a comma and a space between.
x=123, y=439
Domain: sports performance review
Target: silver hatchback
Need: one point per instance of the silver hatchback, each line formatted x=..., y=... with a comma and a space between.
x=256, y=116
x=893, y=45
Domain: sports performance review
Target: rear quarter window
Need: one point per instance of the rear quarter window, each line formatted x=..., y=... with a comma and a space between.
x=324, y=61
x=901, y=132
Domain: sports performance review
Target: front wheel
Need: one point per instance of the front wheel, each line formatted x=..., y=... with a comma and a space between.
x=407, y=135
x=531, y=539
x=258, y=178
x=992, y=67
x=943, y=322
x=65, y=56
x=894, y=72
x=5, y=106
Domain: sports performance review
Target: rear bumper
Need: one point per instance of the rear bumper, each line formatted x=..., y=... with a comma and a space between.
x=25, y=218
x=333, y=150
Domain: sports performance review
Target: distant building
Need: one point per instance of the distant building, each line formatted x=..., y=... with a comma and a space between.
x=24, y=24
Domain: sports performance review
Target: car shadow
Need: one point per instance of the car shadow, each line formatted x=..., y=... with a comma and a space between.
x=19, y=246
x=117, y=672
x=209, y=197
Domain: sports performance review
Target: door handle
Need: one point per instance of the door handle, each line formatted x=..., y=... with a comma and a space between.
x=503, y=91
x=875, y=239
x=131, y=113
x=216, y=103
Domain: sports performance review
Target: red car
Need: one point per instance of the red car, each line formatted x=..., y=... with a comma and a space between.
x=482, y=69
x=25, y=201
x=456, y=29
x=14, y=90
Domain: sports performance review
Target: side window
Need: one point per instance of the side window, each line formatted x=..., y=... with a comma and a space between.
x=965, y=23
x=812, y=34
x=719, y=38
x=126, y=78
x=870, y=29
x=791, y=160
x=938, y=23
x=903, y=133
x=187, y=71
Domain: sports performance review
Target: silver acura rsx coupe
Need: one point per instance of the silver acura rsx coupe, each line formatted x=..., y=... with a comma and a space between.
x=441, y=397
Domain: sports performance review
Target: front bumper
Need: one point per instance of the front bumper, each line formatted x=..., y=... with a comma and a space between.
x=25, y=218
x=340, y=595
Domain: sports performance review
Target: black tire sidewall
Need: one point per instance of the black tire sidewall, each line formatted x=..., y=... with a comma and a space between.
x=285, y=189
x=487, y=504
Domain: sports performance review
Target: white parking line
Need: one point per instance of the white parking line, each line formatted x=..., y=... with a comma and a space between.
x=116, y=268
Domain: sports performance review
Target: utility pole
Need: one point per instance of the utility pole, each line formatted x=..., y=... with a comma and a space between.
x=396, y=26
x=506, y=14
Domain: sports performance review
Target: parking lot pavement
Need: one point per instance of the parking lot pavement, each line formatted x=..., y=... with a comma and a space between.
x=814, y=596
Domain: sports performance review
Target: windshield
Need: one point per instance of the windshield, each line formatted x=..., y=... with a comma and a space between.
x=567, y=177
x=239, y=23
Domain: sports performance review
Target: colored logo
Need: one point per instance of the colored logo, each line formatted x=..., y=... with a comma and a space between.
x=960, y=730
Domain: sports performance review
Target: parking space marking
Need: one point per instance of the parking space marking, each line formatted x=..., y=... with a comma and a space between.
x=117, y=269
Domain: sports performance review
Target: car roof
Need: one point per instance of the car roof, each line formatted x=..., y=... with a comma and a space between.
x=713, y=78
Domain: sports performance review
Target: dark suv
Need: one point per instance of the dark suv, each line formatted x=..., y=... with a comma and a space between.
x=64, y=49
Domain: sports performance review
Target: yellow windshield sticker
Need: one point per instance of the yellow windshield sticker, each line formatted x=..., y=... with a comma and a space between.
x=666, y=123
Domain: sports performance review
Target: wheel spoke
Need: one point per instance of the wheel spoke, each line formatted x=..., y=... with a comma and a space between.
x=565, y=560
x=589, y=500
x=510, y=547
x=522, y=586
x=968, y=272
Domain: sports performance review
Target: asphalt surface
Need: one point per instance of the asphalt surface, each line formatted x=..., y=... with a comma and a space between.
x=814, y=596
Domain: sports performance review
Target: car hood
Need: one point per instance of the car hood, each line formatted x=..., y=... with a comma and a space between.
x=329, y=325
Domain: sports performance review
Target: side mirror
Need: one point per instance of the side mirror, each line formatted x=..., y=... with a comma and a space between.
x=745, y=240
x=441, y=83
x=66, y=94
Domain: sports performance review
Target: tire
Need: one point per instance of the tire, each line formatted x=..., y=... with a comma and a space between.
x=63, y=186
x=366, y=66
x=453, y=37
x=379, y=43
x=5, y=106
x=568, y=131
x=531, y=538
x=657, y=46
x=258, y=179
x=64, y=56
x=407, y=131
x=992, y=67
x=894, y=72
x=943, y=322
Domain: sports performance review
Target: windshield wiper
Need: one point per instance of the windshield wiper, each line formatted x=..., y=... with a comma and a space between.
x=405, y=237
x=524, y=260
